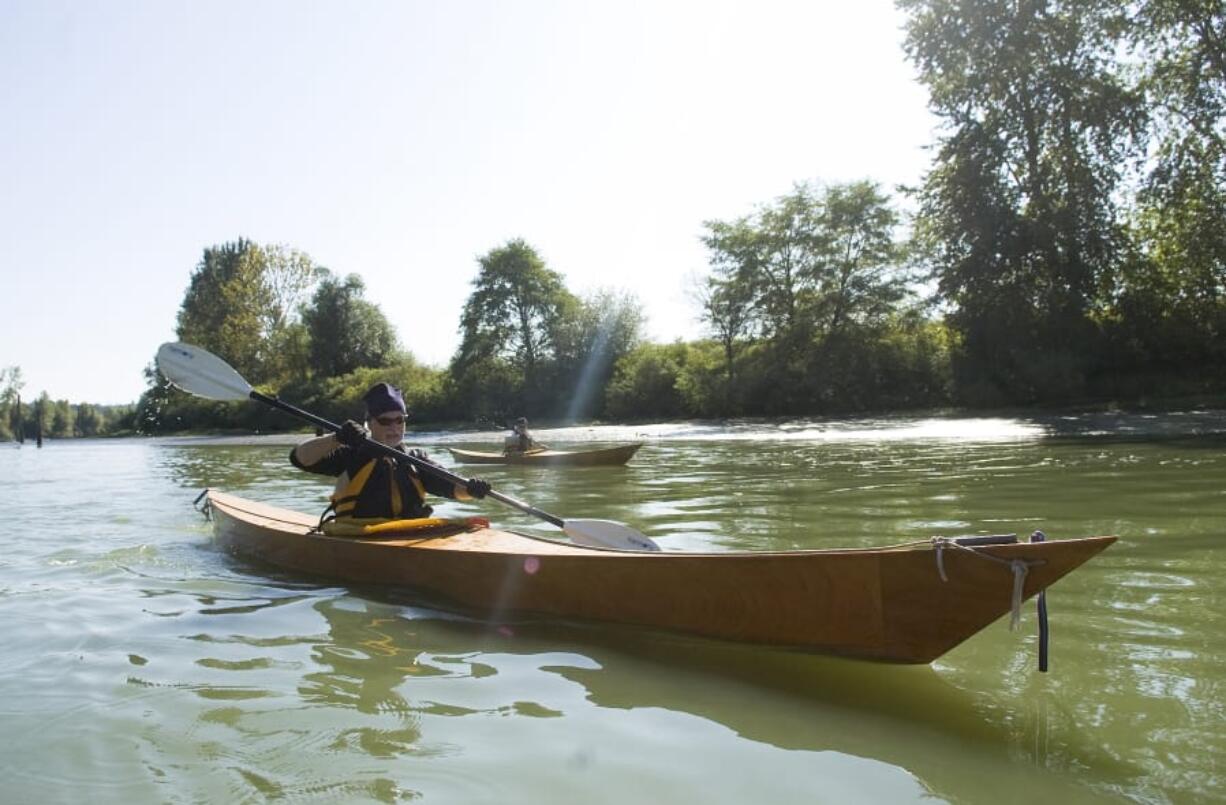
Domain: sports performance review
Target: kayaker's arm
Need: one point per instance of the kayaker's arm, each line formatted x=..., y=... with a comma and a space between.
x=309, y=453
x=470, y=489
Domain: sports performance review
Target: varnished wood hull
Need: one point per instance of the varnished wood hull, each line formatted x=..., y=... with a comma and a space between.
x=609, y=456
x=886, y=604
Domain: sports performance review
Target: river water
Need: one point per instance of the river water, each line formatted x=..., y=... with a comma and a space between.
x=141, y=664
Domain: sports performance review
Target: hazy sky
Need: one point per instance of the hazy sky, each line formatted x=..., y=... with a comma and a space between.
x=400, y=141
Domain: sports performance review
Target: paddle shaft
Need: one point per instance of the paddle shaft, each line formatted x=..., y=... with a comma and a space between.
x=393, y=453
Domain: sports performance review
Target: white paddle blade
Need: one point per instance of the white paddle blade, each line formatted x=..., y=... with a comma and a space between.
x=200, y=372
x=607, y=534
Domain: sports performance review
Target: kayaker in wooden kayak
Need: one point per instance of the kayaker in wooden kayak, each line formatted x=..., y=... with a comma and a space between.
x=520, y=441
x=369, y=486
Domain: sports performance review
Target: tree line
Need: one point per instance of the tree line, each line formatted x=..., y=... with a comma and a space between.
x=294, y=328
x=59, y=419
x=1067, y=244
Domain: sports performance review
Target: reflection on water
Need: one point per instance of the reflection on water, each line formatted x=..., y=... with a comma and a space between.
x=381, y=681
x=143, y=665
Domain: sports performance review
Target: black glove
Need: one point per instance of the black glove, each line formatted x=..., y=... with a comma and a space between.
x=352, y=434
x=420, y=455
x=477, y=488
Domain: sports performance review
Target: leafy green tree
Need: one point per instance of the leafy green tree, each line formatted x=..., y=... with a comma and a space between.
x=771, y=259
x=672, y=381
x=423, y=388
x=726, y=298
x=241, y=302
x=346, y=332
x=157, y=399
x=224, y=308
x=118, y=419
x=1182, y=45
x=292, y=346
x=645, y=383
x=11, y=383
x=488, y=389
x=1169, y=304
x=245, y=303
x=89, y=421
x=289, y=276
x=861, y=278
x=785, y=263
x=514, y=309
x=589, y=339
x=1019, y=214
x=62, y=419
x=44, y=410
x=814, y=268
x=11, y=419
x=516, y=317
x=804, y=267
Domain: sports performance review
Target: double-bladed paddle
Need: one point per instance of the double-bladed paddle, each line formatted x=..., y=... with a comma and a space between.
x=203, y=374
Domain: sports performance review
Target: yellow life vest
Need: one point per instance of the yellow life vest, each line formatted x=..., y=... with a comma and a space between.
x=346, y=500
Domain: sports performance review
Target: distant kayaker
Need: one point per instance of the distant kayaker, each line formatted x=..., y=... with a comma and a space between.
x=373, y=486
x=520, y=441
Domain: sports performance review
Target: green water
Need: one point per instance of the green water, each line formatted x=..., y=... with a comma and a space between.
x=140, y=664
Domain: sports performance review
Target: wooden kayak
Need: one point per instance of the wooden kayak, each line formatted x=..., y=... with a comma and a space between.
x=608, y=456
x=904, y=603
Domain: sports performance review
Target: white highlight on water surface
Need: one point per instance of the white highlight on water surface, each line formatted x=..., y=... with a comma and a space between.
x=800, y=430
x=886, y=429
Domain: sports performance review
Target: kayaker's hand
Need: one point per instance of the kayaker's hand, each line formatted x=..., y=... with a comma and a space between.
x=477, y=488
x=352, y=434
x=420, y=455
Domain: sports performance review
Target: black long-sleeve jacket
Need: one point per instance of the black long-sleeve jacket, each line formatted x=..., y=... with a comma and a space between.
x=378, y=486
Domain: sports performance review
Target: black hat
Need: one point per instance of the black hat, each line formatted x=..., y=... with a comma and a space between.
x=382, y=398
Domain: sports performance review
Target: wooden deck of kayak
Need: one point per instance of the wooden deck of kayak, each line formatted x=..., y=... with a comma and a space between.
x=888, y=604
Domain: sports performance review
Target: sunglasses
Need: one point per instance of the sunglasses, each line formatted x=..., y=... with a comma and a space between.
x=388, y=421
